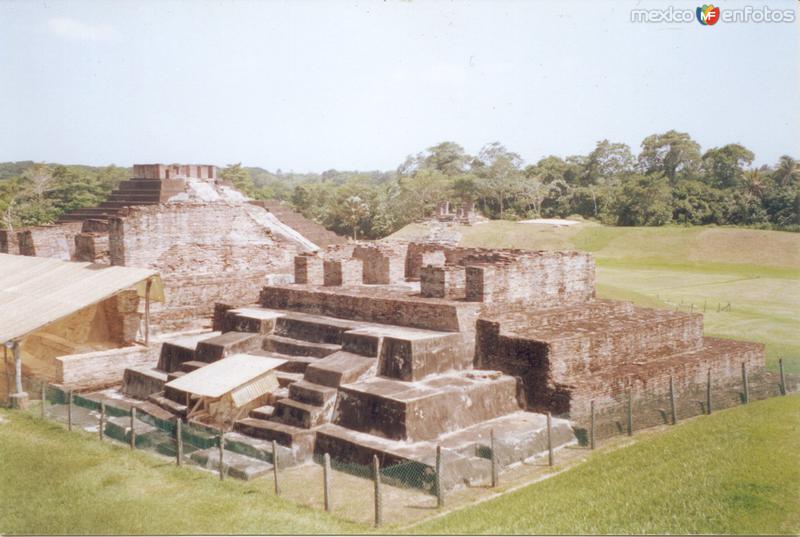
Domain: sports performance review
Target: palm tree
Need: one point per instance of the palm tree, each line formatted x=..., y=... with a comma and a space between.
x=754, y=183
x=788, y=170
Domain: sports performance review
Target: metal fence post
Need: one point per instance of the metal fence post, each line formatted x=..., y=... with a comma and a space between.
x=102, y=424
x=179, y=441
x=133, y=427
x=221, y=454
x=326, y=480
x=275, y=467
x=550, y=460
x=376, y=477
x=745, y=383
x=439, y=469
x=493, y=448
x=591, y=427
x=672, y=401
x=708, y=393
x=69, y=410
x=630, y=412
x=783, y=377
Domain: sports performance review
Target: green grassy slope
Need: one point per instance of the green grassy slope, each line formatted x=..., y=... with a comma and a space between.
x=737, y=471
x=757, y=272
x=55, y=482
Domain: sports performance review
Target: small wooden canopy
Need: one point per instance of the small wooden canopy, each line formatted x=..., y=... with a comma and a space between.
x=226, y=375
x=227, y=387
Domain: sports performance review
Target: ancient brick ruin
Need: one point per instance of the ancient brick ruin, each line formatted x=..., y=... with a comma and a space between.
x=391, y=349
x=207, y=240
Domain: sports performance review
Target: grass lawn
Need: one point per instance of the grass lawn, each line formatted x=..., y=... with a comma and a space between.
x=737, y=471
x=55, y=482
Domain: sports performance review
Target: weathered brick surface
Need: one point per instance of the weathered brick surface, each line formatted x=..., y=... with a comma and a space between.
x=56, y=241
x=204, y=252
x=343, y=272
x=443, y=282
x=308, y=269
x=8, y=242
x=384, y=263
x=91, y=247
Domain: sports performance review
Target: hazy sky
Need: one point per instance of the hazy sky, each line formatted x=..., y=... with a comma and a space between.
x=309, y=86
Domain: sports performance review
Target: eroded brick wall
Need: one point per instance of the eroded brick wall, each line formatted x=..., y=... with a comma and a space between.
x=205, y=253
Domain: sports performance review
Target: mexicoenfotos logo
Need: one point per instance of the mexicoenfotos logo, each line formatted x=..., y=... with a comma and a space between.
x=707, y=14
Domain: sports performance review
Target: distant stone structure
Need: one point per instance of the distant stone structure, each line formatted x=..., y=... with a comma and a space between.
x=464, y=214
x=208, y=241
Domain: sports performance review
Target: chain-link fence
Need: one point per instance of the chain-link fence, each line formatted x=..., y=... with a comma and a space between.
x=375, y=485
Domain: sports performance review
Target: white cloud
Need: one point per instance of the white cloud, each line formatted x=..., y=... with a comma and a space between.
x=70, y=28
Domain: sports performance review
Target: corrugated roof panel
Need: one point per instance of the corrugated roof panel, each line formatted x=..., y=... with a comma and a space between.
x=37, y=291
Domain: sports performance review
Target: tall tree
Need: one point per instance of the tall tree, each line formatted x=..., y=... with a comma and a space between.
x=724, y=166
x=671, y=153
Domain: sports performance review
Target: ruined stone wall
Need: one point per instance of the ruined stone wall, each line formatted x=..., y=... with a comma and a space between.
x=205, y=253
x=384, y=263
x=56, y=241
x=541, y=279
x=8, y=242
x=565, y=357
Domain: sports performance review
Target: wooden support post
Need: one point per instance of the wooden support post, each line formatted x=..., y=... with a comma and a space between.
x=275, y=467
x=17, y=368
x=745, y=383
x=147, y=311
x=630, y=412
x=326, y=480
x=69, y=410
x=550, y=459
x=221, y=455
x=493, y=449
x=133, y=427
x=591, y=427
x=376, y=477
x=672, y=401
x=102, y=425
x=708, y=393
x=44, y=395
x=439, y=481
x=783, y=377
x=179, y=441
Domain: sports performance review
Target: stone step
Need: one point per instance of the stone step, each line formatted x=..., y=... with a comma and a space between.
x=313, y=328
x=312, y=394
x=340, y=368
x=300, y=440
x=191, y=365
x=250, y=319
x=181, y=349
x=286, y=379
x=119, y=428
x=169, y=405
x=158, y=417
x=296, y=347
x=263, y=412
x=178, y=396
x=233, y=464
x=140, y=184
x=215, y=348
x=447, y=402
x=302, y=415
x=134, y=197
x=114, y=205
x=293, y=364
x=259, y=449
x=140, y=382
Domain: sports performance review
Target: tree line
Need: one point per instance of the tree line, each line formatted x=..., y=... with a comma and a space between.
x=670, y=180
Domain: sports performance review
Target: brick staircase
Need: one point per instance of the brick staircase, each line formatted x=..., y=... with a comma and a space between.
x=310, y=230
x=129, y=193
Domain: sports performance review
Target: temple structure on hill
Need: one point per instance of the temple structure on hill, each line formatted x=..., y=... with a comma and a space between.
x=206, y=239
